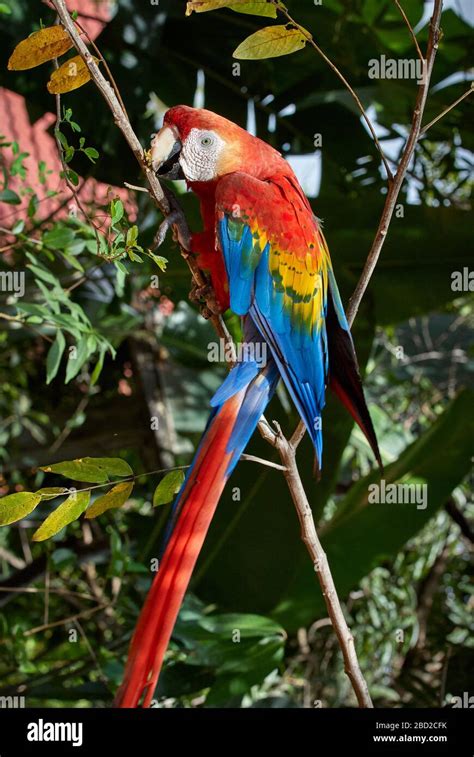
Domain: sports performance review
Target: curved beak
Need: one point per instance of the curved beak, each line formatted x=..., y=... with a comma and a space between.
x=165, y=152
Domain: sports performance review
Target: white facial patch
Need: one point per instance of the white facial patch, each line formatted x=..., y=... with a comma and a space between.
x=162, y=145
x=200, y=155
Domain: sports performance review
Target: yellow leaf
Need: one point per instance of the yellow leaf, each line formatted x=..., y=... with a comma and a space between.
x=253, y=7
x=69, y=510
x=17, y=506
x=201, y=6
x=71, y=75
x=40, y=47
x=271, y=42
x=115, y=497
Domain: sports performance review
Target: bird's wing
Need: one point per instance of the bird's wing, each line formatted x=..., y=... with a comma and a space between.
x=278, y=269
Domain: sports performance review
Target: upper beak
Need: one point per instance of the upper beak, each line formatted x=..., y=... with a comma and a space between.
x=165, y=152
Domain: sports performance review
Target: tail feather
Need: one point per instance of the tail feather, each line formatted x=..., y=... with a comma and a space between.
x=226, y=436
x=344, y=376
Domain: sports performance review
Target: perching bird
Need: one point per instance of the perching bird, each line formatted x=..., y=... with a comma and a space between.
x=269, y=262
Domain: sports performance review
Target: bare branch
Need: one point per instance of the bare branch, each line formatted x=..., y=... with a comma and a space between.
x=321, y=566
x=268, y=463
x=410, y=29
x=446, y=110
x=395, y=186
x=342, y=78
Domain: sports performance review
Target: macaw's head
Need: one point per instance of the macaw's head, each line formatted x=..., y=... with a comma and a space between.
x=200, y=146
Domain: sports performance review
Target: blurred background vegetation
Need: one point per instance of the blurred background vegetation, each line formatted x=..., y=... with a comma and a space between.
x=402, y=573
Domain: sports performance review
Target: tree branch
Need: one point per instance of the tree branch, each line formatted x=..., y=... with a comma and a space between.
x=446, y=110
x=165, y=202
x=321, y=566
x=410, y=29
x=395, y=186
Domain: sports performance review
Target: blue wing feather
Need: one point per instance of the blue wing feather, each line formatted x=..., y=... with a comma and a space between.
x=300, y=353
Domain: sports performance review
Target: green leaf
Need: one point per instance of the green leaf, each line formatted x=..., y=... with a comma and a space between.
x=93, y=470
x=73, y=177
x=134, y=257
x=33, y=205
x=77, y=357
x=55, y=354
x=43, y=274
x=116, y=210
x=62, y=139
x=132, y=235
x=114, y=466
x=18, y=227
x=59, y=237
x=4, y=8
x=13, y=507
x=91, y=153
x=98, y=368
x=168, y=487
x=78, y=470
x=271, y=42
x=121, y=267
x=32, y=309
x=159, y=260
x=115, y=497
x=10, y=197
x=68, y=511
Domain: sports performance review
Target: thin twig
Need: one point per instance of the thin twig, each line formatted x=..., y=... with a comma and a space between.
x=410, y=29
x=268, y=463
x=38, y=590
x=70, y=619
x=342, y=78
x=395, y=186
x=71, y=186
x=11, y=559
x=135, y=188
x=446, y=110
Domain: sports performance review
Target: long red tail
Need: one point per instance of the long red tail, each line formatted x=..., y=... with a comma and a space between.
x=225, y=438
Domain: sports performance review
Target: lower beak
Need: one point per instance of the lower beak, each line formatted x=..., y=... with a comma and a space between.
x=165, y=154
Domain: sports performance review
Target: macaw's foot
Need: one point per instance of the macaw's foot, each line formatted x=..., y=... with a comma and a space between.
x=205, y=298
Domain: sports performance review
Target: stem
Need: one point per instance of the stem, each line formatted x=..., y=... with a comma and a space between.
x=310, y=538
x=446, y=110
x=395, y=186
x=342, y=78
x=410, y=29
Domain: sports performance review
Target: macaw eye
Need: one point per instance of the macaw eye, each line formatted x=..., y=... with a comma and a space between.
x=206, y=141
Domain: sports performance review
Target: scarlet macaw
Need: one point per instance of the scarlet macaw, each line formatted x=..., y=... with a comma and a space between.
x=269, y=262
